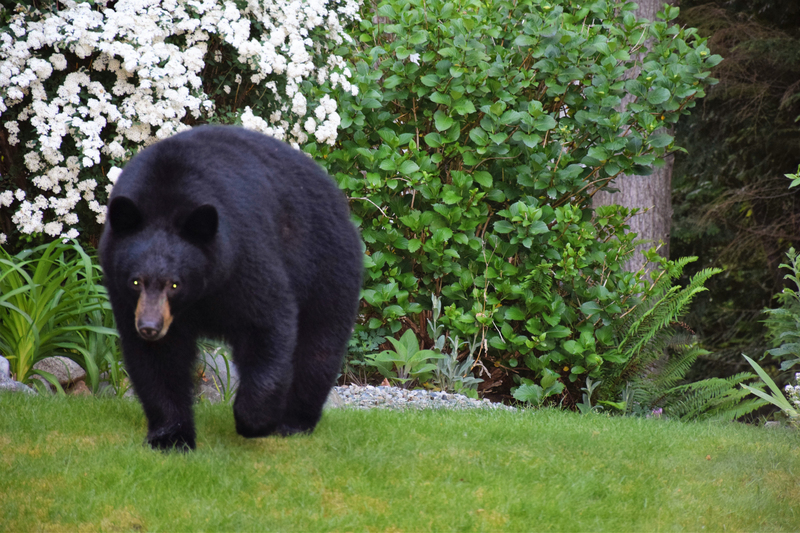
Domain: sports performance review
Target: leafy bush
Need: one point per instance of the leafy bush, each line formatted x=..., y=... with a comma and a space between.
x=471, y=153
x=84, y=85
x=52, y=303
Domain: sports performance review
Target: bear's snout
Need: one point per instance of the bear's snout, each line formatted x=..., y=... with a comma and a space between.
x=149, y=331
x=153, y=316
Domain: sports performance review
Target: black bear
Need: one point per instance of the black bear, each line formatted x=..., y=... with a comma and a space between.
x=225, y=233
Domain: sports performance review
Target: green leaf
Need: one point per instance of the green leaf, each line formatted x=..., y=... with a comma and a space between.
x=515, y=313
x=440, y=98
x=605, y=335
x=529, y=392
x=524, y=40
x=777, y=397
x=590, y=308
x=433, y=139
x=430, y=80
x=559, y=332
x=660, y=140
x=544, y=123
x=419, y=37
x=537, y=228
x=443, y=122
x=503, y=226
x=408, y=167
x=392, y=81
x=658, y=96
x=451, y=197
x=483, y=177
x=464, y=107
x=479, y=136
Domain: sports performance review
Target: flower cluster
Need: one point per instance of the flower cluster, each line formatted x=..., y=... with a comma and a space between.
x=84, y=87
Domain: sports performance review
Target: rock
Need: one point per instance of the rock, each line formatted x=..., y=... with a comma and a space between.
x=80, y=389
x=207, y=388
x=15, y=386
x=5, y=370
x=334, y=400
x=214, y=376
x=772, y=424
x=8, y=384
x=64, y=369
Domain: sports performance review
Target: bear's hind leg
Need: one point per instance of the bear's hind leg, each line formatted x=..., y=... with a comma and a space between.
x=265, y=372
x=317, y=361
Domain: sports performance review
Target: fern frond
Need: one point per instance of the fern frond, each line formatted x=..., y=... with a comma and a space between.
x=650, y=330
x=713, y=398
x=676, y=367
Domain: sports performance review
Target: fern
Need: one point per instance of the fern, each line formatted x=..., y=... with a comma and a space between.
x=650, y=328
x=654, y=357
x=713, y=398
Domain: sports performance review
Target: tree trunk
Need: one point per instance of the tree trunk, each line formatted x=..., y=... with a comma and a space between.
x=653, y=193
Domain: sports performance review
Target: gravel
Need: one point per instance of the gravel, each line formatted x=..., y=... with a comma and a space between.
x=369, y=397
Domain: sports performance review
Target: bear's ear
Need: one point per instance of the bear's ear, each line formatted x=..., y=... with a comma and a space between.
x=201, y=225
x=123, y=215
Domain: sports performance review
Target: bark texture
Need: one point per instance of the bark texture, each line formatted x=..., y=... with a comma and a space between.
x=652, y=193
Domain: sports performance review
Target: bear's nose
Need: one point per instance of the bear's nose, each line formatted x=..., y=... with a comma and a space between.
x=147, y=333
x=149, y=330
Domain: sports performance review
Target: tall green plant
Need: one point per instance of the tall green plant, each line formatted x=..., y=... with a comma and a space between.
x=776, y=397
x=653, y=358
x=783, y=323
x=49, y=297
x=471, y=153
x=407, y=362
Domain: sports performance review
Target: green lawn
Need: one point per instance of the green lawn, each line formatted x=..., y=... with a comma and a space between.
x=79, y=464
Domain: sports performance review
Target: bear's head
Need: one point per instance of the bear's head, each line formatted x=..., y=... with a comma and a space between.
x=160, y=264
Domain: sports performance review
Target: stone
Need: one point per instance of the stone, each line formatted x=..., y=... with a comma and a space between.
x=207, y=388
x=8, y=384
x=5, y=370
x=334, y=400
x=64, y=369
x=79, y=389
x=214, y=375
x=15, y=386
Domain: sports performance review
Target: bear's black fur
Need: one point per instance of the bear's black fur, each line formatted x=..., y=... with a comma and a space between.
x=225, y=233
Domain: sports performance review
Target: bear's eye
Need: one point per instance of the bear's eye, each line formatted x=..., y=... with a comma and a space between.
x=174, y=285
x=136, y=283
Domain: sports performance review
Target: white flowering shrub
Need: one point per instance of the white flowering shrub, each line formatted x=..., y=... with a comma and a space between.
x=85, y=85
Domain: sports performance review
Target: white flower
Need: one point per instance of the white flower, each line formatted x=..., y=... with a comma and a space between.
x=53, y=228
x=33, y=161
x=151, y=56
x=414, y=58
x=6, y=198
x=299, y=105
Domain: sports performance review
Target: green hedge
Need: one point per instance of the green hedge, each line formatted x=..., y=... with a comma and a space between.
x=480, y=132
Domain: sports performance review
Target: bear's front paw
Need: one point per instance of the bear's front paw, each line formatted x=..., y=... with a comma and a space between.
x=171, y=438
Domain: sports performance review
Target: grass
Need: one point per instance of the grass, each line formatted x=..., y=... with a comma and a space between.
x=78, y=464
